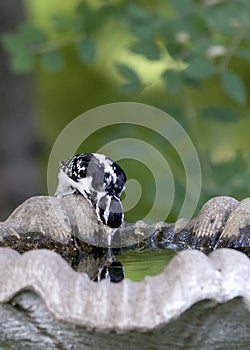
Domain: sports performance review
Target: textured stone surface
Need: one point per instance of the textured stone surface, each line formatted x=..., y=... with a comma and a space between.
x=46, y=304
x=207, y=325
x=72, y=297
x=211, y=220
x=222, y=222
x=237, y=229
x=60, y=218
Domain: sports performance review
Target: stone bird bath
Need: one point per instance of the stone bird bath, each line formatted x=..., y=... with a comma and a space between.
x=50, y=251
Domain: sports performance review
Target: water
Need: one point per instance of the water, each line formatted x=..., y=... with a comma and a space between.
x=138, y=265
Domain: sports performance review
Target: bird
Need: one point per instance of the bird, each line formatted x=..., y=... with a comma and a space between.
x=100, y=180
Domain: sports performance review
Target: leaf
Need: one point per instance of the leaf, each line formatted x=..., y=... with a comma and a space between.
x=22, y=62
x=23, y=39
x=200, y=47
x=184, y=6
x=86, y=50
x=83, y=10
x=147, y=48
x=243, y=53
x=87, y=20
x=31, y=35
x=142, y=30
x=234, y=87
x=173, y=81
x=200, y=69
x=20, y=46
x=174, y=48
x=219, y=18
x=222, y=114
x=52, y=61
x=11, y=42
x=133, y=84
x=61, y=23
x=138, y=12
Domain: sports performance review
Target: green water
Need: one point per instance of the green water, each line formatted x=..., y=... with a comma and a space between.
x=138, y=265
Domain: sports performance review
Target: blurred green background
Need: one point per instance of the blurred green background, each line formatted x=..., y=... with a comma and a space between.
x=189, y=58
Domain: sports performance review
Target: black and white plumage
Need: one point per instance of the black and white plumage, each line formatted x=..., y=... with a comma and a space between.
x=100, y=180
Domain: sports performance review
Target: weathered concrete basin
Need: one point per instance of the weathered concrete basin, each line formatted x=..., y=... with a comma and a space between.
x=45, y=304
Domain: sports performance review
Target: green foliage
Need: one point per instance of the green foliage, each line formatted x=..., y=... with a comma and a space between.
x=173, y=80
x=22, y=47
x=52, y=61
x=191, y=31
x=200, y=69
x=234, y=86
x=133, y=83
x=147, y=48
x=203, y=50
x=222, y=114
x=229, y=177
x=86, y=50
x=243, y=53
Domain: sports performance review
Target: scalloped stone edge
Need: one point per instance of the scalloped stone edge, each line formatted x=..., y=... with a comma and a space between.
x=72, y=297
